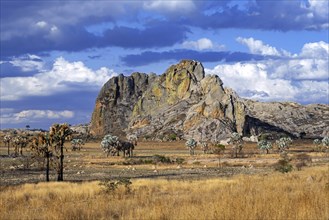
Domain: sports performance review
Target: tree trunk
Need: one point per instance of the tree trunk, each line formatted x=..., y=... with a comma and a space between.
x=8, y=149
x=47, y=166
x=61, y=166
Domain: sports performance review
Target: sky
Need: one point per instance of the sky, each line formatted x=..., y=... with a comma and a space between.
x=56, y=55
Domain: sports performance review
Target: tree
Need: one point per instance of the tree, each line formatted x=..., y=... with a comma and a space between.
x=57, y=135
x=40, y=146
x=19, y=142
x=110, y=145
x=7, y=139
x=236, y=141
x=76, y=144
x=218, y=150
x=191, y=145
x=283, y=143
x=325, y=142
x=204, y=146
x=317, y=143
x=264, y=145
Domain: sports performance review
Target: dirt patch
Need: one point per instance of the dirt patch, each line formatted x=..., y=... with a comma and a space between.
x=175, y=163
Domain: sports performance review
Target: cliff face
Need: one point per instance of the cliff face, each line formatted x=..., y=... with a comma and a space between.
x=115, y=103
x=183, y=102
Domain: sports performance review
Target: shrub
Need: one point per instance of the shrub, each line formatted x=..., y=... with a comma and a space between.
x=218, y=148
x=180, y=160
x=283, y=165
x=302, y=160
x=109, y=187
x=161, y=159
x=172, y=137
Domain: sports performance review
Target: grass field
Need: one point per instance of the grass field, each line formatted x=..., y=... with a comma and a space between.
x=296, y=195
x=167, y=183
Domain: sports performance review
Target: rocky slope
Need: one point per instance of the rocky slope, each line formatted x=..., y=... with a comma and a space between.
x=184, y=103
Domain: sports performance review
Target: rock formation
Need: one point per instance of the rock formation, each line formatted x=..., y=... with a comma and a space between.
x=184, y=103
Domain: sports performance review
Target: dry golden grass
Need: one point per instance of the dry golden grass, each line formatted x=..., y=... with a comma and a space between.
x=297, y=195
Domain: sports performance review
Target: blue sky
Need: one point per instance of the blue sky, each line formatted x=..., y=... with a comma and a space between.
x=56, y=55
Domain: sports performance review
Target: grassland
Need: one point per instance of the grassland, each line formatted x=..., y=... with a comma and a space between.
x=296, y=195
x=185, y=187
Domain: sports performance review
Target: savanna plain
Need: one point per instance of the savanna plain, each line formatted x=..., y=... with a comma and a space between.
x=162, y=181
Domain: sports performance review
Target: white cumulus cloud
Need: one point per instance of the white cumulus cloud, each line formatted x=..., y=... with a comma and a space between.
x=258, y=47
x=64, y=76
x=201, y=44
x=27, y=63
x=315, y=50
x=302, y=78
x=320, y=7
x=27, y=116
x=171, y=6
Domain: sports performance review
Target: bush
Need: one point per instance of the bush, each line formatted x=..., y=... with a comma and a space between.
x=161, y=159
x=109, y=187
x=180, y=160
x=218, y=148
x=283, y=165
x=172, y=137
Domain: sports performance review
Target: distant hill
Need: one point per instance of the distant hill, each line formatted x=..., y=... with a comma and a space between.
x=183, y=102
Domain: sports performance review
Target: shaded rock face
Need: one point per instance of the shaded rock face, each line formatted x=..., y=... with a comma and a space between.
x=185, y=103
x=115, y=103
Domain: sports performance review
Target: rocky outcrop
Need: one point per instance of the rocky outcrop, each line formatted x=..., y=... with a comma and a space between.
x=184, y=102
x=115, y=103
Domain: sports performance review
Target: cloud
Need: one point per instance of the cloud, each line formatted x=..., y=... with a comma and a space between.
x=263, y=15
x=158, y=35
x=170, y=6
x=64, y=76
x=302, y=78
x=77, y=38
x=320, y=8
x=247, y=77
x=201, y=44
x=28, y=63
x=258, y=47
x=315, y=50
x=62, y=25
x=27, y=116
x=149, y=57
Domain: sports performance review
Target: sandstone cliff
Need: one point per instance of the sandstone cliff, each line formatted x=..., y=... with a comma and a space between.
x=184, y=103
